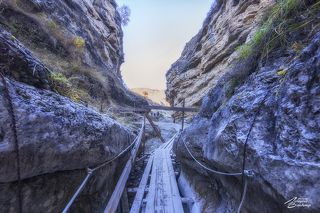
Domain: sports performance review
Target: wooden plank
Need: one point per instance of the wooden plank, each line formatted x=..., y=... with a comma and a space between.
x=154, y=127
x=165, y=199
x=124, y=202
x=176, y=199
x=117, y=193
x=187, y=200
x=164, y=195
x=142, y=186
x=183, y=105
x=169, y=144
x=150, y=207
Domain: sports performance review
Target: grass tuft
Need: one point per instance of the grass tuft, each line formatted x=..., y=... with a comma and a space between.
x=282, y=72
x=272, y=28
x=62, y=85
x=79, y=42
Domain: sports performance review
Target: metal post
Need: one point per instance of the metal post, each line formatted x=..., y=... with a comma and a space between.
x=174, y=117
x=183, y=105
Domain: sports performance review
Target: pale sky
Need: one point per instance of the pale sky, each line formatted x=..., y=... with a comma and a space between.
x=155, y=37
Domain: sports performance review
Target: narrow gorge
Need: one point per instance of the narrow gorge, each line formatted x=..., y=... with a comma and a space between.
x=61, y=66
x=248, y=83
x=253, y=69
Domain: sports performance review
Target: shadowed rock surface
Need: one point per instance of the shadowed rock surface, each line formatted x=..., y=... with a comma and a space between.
x=283, y=146
x=58, y=140
x=18, y=63
x=277, y=95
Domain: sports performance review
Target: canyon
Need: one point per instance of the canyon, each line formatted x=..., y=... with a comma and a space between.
x=61, y=66
x=259, y=112
x=252, y=71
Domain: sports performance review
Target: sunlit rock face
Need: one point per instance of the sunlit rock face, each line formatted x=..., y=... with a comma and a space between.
x=81, y=39
x=209, y=54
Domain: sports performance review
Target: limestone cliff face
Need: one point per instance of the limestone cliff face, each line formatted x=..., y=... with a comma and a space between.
x=58, y=140
x=270, y=103
x=209, y=54
x=50, y=50
x=80, y=40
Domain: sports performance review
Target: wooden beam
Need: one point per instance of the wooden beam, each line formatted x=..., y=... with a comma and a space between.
x=150, y=207
x=124, y=202
x=121, y=184
x=136, y=206
x=154, y=126
x=176, y=199
x=148, y=108
x=183, y=105
x=185, y=109
x=187, y=200
x=163, y=195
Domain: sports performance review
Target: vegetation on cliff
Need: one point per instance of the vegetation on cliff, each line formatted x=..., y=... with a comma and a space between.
x=281, y=21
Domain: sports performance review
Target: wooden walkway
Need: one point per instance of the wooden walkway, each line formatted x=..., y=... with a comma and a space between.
x=163, y=194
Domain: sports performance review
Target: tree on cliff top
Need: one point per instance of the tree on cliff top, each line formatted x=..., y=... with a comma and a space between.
x=125, y=13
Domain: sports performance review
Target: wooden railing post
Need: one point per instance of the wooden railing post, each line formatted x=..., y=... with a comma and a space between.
x=183, y=106
x=155, y=128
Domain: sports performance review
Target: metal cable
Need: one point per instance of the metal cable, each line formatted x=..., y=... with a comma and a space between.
x=244, y=182
x=115, y=157
x=75, y=195
x=244, y=193
x=91, y=171
x=15, y=138
x=207, y=168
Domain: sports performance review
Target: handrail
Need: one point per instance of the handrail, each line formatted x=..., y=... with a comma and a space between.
x=118, y=191
x=91, y=171
x=207, y=168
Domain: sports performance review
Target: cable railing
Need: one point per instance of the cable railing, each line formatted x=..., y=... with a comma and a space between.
x=245, y=173
x=90, y=171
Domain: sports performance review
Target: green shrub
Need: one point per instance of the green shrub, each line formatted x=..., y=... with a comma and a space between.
x=59, y=79
x=62, y=85
x=272, y=28
x=282, y=72
x=79, y=42
x=52, y=25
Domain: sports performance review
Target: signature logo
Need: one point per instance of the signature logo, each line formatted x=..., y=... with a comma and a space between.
x=298, y=202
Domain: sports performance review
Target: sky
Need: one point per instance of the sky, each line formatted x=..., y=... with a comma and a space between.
x=155, y=37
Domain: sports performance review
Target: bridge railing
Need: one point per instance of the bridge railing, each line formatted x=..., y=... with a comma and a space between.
x=114, y=200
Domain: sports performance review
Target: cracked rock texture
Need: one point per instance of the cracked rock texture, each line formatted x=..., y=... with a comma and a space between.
x=271, y=102
x=208, y=55
x=283, y=147
x=59, y=139
x=81, y=39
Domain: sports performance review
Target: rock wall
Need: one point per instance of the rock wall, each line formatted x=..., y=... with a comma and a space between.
x=46, y=46
x=81, y=40
x=210, y=53
x=58, y=140
x=270, y=104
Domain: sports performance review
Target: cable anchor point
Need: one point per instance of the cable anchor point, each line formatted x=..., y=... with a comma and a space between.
x=249, y=173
